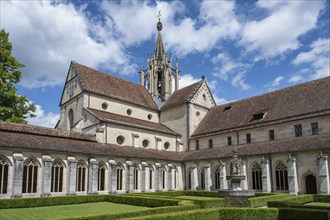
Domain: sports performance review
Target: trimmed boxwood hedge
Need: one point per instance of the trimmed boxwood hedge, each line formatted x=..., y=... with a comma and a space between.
x=298, y=201
x=179, y=193
x=66, y=200
x=262, y=200
x=302, y=214
x=218, y=214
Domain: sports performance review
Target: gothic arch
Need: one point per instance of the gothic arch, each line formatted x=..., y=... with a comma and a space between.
x=310, y=186
x=60, y=161
x=5, y=159
x=281, y=176
x=255, y=173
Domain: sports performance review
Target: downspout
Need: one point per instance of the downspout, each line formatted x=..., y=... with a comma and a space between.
x=188, y=126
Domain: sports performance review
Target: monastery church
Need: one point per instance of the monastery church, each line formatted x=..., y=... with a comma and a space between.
x=115, y=136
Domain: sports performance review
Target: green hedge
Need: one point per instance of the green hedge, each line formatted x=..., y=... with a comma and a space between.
x=178, y=193
x=218, y=214
x=262, y=200
x=258, y=194
x=321, y=198
x=66, y=200
x=212, y=203
x=302, y=214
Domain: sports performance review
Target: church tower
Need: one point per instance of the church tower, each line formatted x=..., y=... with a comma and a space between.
x=157, y=78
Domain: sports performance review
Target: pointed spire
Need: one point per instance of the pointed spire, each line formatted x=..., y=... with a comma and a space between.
x=159, y=51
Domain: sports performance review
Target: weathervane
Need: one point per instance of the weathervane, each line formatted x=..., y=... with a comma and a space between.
x=159, y=15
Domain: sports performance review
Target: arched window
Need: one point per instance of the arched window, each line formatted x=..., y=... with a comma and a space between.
x=71, y=119
x=119, y=178
x=203, y=179
x=256, y=177
x=189, y=179
x=4, y=164
x=101, y=177
x=150, y=178
x=57, y=176
x=81, y=177
x=136, y=178
x=30, y=176
x=217, y=178
x=281, y=175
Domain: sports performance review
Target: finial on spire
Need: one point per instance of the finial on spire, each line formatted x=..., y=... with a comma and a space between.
x=159, y=23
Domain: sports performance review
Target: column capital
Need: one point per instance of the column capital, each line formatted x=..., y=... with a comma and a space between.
x=18, y=156
x=291, y=158
x=322, y=156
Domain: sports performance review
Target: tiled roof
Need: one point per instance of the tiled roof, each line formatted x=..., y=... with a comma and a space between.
x=182, y=95
x=105, y=84
x=308, y=98
x=42, y=131
x=130, y=121
x=308, y=143
x=26, y=137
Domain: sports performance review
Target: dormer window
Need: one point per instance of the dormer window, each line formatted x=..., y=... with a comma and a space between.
x=227, y=108
x=258, y=116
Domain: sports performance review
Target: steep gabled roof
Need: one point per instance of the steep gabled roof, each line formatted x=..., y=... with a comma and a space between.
x=182, y=95
x=129, y=121
x=101, y=83
x=308, y=98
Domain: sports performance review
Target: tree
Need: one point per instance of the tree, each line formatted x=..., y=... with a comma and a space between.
x=13, y=107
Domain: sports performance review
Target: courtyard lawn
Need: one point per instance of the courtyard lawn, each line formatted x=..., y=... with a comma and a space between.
x=195, y=198
x=318, y=204
x=67, y=211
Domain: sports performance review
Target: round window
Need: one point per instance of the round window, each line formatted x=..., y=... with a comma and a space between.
x=149, y=116
x=166, y=145
x=129, y=111
x=120, y=140
x=145, y=143
x=104, y=106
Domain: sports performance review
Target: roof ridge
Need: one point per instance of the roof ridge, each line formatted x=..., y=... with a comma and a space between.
x=44, y=131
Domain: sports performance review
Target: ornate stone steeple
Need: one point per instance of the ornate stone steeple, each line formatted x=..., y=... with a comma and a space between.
x=157, y=78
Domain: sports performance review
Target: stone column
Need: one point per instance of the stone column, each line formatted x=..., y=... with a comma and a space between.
x=292, y=175
x=208, y=180
x=18, y=175
x=113, y=177
x=194, y=178
x=72, y=175
x=265, y=176
x=93, y=176
x=324, y=174
x=157, y=176
x=244, y=184
x=47, y=175
x=144, y=177
x=130, y=177
x=223, y=174
x=135, y=138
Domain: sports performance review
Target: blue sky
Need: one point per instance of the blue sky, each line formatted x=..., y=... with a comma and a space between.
x=244, y=48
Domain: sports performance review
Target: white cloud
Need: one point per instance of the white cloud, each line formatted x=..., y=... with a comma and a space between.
x=42, y=119
x=226, y=66
x=277, y=81
x=203, y=33
x=239, y=81
x=318, y=57
x=295, y=78
x=279, y=32
x=47, y=36
x=186, y=80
